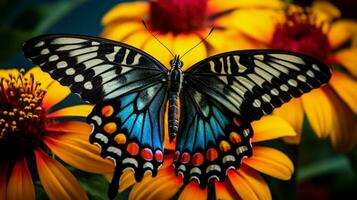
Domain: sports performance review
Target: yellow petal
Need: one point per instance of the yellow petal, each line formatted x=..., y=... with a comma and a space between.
x=20, y=184
x=154, y=48
x=40, y=76
x=344, y=132
x=271, y=127
x=55, y=93
x=138, y=38
x=293, y=113
x=183, y=42
x=126, y=180
x=225, y=191
x=345, y=87
x=249, y=184
x=3, y=177
x=215, y=6
x=193, y=191
x=163, y=186
x=341, y=31
x=57, y=181
x=72, y=111
x=126, y=11
x=271, y=162
x=75, y=149
x=348, y=58
x=118, y=31
x=253, y=23
x=325, y=11
x=4, y=73
x=319, y=111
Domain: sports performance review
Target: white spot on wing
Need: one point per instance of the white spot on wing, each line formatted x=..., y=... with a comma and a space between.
x=111, y=56
x=78, y=78
x=131, y=161
x=86, y=57
x=62, y=64
x=69, y=47
x=53, y=58
x=101, y=137
x=68, y=41
x=45, y=51
x=290, y=58
x=97, y=119
x=82, y=51
x=40, y=44
x=88, y=85
x=114, y=150
x=70, y=71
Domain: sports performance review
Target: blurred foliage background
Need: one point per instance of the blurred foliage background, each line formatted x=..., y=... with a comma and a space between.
x=320, y=172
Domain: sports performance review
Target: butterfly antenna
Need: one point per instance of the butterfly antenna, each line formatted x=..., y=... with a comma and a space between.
x=156, y=38
x=203, y=39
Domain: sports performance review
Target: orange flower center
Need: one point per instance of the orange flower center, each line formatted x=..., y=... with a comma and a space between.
x=21, y=115
x=178, y=16
x=300, y=33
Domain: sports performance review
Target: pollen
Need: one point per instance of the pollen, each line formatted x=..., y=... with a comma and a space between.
x=21, y=113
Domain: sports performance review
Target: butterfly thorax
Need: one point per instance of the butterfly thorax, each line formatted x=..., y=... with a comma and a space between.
x=174, y=89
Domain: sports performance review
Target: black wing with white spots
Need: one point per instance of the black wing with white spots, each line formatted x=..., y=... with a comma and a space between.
x=251, y=83
x=96, y=68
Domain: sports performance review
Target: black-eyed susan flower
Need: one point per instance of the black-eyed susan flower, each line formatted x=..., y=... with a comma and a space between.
x=242, y=183
x=32, y=140
x=181, y=24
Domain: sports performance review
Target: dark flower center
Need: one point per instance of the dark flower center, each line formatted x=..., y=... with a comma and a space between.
x=21, y=115
x=301, y=34
x=178, y=16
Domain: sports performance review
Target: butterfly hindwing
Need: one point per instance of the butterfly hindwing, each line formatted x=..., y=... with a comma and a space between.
x=251, y=83
x=210, y=140
x=96, y=68
x=129, y=130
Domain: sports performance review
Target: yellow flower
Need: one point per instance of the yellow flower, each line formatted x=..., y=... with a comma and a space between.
x=181, y=24
x=30, y=138
x=244, y=183
x=331, y=110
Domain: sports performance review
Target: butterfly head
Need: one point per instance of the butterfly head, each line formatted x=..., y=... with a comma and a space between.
x=176, y=63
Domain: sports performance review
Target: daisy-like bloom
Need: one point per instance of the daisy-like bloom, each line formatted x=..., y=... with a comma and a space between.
x=181, y=24
x=330, y=110
x=32, y=139
x=243, y=183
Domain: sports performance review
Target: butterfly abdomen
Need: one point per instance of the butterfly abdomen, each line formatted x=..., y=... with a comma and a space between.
x=173, y=116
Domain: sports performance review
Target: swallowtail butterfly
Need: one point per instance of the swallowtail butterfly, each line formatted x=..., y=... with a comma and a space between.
x=219, y=97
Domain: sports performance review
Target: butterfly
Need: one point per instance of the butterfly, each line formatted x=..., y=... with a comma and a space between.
x=219, y=97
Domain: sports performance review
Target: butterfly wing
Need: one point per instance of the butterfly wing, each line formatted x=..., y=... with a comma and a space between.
x=96, y=68
x=224, y=93
x=128, y=87
x=251, y=83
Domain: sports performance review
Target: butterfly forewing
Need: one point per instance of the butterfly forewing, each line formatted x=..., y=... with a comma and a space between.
x=251, y=83
x=96, y=68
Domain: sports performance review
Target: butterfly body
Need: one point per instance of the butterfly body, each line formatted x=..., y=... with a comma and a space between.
x=219, y=97
x=174, y=89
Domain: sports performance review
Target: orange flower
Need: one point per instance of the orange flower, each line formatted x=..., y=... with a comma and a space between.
x=243, y=183
x=331, y=110
x=181, y=24
x=31, y=137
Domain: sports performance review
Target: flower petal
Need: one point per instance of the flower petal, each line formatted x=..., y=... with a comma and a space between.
x=249, y=184
x=72, y=111
x=193, y=191
x=4, y=73
x=163, y=186
x=20, y=184
x=55, y=93
x=57, y=181
x=271, y=127
x=215, y=6
x=271, y=162
x=40, y=76
x=348, y=58
x=293, y=113
x=251, y=24
x=3, y=176
x=341, y=31
x=224, y=190
x=158, y=51
x=119, y=30
x=325, y=11
x=319, y=111
x=344, y=132
x=124, y=11
x=75, y=149
x=183, y=42
x=138, y=38
x=345, y=87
